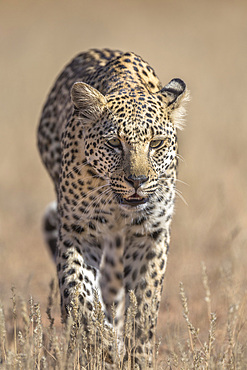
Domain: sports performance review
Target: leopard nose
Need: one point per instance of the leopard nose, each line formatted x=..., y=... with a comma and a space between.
x=136, y=182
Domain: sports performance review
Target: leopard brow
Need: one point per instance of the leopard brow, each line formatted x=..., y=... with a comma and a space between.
x=160, y=137
x=110, y=136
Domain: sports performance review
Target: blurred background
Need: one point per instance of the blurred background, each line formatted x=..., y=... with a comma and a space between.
x=204, y=43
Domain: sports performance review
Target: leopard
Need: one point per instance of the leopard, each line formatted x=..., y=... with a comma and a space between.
x=108, y=139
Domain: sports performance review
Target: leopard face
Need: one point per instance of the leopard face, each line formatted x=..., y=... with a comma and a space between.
x=130, y=140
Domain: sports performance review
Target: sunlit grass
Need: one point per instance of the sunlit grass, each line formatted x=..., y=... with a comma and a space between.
x=27, y=343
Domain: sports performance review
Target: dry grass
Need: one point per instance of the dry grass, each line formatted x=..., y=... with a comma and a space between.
x=26, y=343
x=31, y=345
x=202, y=42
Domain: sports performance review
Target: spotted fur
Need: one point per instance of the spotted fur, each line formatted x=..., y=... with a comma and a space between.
x=107, y=137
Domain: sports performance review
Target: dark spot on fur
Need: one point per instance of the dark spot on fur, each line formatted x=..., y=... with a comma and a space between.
x=127, y=270
x=72, y=284
x=150, y=255
x=77, y=228
x=162, y=264
x=143, y=269
x=66, y=293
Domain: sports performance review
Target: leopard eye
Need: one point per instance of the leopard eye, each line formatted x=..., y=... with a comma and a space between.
x=155, y=144
x=114, y=143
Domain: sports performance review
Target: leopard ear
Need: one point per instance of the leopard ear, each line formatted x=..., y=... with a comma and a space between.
x=88, y=100
x=175, y=96
x=173, y=92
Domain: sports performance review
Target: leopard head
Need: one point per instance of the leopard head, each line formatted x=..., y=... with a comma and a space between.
x=130, y=137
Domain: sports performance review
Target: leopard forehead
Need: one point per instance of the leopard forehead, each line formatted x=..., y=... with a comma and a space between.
x=136, y=116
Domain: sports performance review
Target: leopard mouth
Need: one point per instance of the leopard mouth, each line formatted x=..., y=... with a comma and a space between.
x=133, y=200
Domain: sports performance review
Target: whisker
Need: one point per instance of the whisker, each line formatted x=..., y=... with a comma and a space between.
x=89, y=210
x=78, y=168
x=182, y=182
x=91, y=205
x=103, y=205
x=88, y=194
x=180, y=157
x=163, y=175
x=109, y=196
x=162, y=193
x=179, y=194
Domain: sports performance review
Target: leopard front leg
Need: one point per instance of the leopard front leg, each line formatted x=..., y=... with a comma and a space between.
x=76, y=279
x=144, y=270
x=78, y=266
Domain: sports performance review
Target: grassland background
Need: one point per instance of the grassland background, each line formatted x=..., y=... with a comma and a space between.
x=200, y=41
